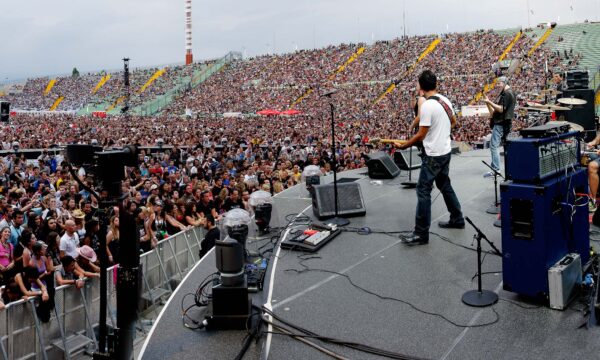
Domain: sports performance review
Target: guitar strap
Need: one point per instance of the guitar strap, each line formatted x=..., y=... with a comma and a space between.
x=444, y=105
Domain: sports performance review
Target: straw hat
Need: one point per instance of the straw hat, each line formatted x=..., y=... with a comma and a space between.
x=78, y=214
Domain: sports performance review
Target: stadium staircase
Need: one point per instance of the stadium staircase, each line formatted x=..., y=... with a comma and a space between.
x=541, y=40
x=153, y=78
x=488, y=87
x=597, y=101
x=431, y=47
x=101, y=83
x=332, y=76
x=56, y=103
x=184, y=84
x=49, y=86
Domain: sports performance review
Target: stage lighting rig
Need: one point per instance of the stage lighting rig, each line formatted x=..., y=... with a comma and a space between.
x=262, y=204
x=230, y=305
x=311, y=176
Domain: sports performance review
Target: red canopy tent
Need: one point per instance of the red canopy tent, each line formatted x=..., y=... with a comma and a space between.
x=99, y=114
x=268, y=112
x=291, y=112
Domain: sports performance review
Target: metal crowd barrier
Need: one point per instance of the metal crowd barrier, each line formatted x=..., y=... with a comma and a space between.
x=71, y=329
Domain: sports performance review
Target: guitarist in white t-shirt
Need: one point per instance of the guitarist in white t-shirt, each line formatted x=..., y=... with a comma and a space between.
x=436, y=119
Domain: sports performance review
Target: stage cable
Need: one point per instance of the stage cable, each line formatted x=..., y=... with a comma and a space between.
x=306, y=268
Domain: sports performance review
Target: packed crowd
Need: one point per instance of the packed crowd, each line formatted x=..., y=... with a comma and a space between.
x=78, y=90
x=49, y=225
x=463, y=62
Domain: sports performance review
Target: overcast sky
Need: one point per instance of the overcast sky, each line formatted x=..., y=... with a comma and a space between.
x=41, y=37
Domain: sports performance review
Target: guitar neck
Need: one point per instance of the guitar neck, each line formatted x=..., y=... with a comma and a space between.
x=391, y=141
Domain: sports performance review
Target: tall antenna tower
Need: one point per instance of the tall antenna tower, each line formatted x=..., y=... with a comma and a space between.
x=189, y=58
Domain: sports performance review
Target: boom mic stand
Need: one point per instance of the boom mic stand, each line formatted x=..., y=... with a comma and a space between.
x=480, y=297
x=337, y=220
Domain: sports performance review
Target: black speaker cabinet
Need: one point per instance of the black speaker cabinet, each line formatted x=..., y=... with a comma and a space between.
x=407, y=159
x=350, y=200
x=381, y=166
x=578, y=79
x=580, y=114
x=4, y=111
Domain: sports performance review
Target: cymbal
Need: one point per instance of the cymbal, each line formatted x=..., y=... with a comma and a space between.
x=550, y=107
x=572, y=101
x=551, y=91
x=572, y=126
x=536, y=109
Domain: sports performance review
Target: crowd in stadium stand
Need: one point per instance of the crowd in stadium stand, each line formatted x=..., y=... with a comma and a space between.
x=78, y=91
x=210, y=163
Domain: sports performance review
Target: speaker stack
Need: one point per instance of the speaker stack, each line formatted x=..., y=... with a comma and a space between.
x=584, y=114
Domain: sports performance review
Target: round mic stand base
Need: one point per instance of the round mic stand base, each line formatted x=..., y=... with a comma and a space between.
x=498, y=223
x=409, y=184
x=338, y=221
x=493, y=209
x=480, y=299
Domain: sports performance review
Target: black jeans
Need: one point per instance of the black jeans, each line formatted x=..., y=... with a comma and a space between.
x=435, y=169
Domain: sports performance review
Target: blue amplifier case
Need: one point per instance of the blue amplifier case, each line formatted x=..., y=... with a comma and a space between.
x=541, y=224
x=533, y=160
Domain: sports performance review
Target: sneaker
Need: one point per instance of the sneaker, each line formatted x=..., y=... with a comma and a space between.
x=413, y=239
x=451, y=225
x=488, y=174
x=592, y=206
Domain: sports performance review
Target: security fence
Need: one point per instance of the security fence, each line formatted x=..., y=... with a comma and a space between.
x=74, y=321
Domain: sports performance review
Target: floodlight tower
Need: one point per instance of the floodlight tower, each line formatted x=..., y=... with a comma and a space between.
x=188, y=32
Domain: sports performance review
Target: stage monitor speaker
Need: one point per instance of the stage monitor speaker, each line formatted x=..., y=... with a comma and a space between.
x=381, y=166
x=4, y=111
x=350, y=200
x=407, y=159
x=580, y=114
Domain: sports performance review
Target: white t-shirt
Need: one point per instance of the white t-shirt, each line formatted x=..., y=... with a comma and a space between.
x=69, y=244
x=432, y=114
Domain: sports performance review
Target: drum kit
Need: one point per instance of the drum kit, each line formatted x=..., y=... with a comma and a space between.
x=538, y=113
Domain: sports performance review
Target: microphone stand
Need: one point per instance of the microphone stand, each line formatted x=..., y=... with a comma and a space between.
x=480, y=297
x=339, y=221
x=495, y=208
x=410, y=184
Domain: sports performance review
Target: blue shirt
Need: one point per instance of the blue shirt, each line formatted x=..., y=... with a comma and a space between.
x=15, y=233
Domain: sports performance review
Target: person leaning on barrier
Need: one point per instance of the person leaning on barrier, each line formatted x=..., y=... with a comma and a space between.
x=87, y=260
x=68, y=273
x=27, y=280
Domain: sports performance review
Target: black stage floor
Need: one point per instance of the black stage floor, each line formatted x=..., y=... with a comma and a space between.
x=427, y=318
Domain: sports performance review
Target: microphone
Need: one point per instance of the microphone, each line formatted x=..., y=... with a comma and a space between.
x=328, y=92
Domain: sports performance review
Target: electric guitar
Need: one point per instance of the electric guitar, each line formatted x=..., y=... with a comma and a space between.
x=396, y=143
